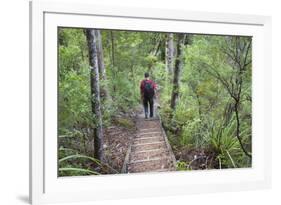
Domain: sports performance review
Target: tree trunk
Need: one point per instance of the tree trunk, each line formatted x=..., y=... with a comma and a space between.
x=102, y=71
x=178, y=65
x=238, y=129
x=155, y=50
x=169, y=53
x=112, y=49
x=95, y=94
x=113, y=60
x=100, y=54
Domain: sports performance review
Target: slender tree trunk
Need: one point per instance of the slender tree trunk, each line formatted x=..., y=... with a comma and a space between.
x=178, y=65
x=95, y=94
x=112, y=48
x=236, y=109
x=169, y=53
x=155, y=51
x=113, y=59
x=100, y=54
x=102, y=70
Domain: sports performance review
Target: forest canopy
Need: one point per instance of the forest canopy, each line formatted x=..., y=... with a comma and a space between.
x=203, y=91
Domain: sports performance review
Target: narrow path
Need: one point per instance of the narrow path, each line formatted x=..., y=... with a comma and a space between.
x=150, y=150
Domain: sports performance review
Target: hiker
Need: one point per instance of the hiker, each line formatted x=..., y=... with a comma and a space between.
x=147, y=89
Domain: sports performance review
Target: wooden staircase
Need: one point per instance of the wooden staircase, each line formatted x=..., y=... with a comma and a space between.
x=149, y=150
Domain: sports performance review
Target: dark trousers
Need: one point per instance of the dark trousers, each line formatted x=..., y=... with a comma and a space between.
x=147, y=101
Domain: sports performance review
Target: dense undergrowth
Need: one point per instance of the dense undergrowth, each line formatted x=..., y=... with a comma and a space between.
x=205, y=119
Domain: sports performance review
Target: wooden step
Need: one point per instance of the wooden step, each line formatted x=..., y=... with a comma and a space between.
x=148, y=137
x=148, y=146
x=150, y=150
x=145, y=130
x=149, y=155
x=149, y=134
x=149, y=125
x=148, y=140
x=147, y=160
x=150, y=165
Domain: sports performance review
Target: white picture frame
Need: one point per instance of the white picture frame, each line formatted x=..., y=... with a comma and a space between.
x=46, y=187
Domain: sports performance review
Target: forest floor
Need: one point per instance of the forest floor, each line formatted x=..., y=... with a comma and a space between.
x=117, y=138
x=197, y=159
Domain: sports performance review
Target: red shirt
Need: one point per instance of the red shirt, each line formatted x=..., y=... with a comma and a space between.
x=149, y=81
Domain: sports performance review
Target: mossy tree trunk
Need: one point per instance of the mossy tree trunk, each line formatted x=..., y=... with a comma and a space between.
x=169, y=53
x=177, y=69
x=95, y=93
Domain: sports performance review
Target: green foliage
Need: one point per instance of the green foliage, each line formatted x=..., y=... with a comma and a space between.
x=73, y=107
x=68, y=158
x=204, y=116
x=191, y=133
x=76, y=171
x=125, y=95
x=182, y=166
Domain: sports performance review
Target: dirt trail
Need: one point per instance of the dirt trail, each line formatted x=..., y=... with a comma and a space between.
x=150, y=150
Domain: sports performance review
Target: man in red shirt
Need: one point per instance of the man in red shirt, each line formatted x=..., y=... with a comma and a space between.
x=147, y=89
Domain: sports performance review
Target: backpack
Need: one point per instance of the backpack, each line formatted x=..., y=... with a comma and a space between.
x=148, y=90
